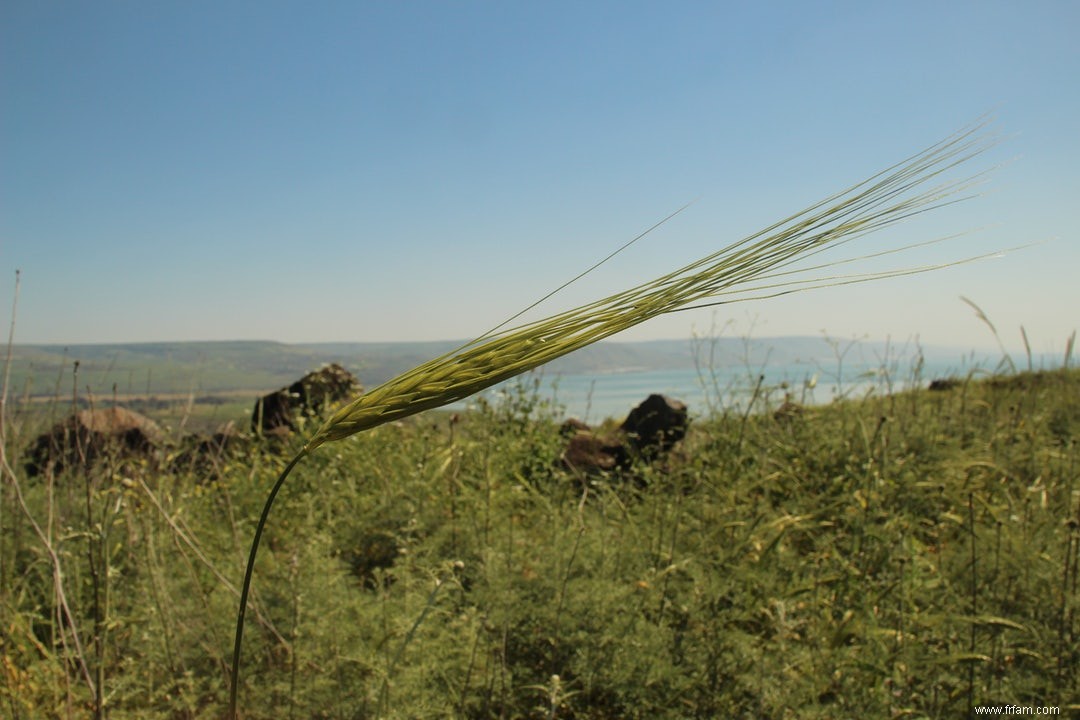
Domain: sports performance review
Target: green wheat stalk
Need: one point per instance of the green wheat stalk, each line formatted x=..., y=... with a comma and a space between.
x=762, y=265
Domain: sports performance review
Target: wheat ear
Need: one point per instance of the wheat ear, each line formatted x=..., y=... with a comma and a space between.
x=760, y=265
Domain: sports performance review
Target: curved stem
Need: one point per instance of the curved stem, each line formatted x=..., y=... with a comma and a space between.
x=235, y=679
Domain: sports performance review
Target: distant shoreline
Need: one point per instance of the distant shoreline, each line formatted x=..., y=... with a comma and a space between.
x=604, y=380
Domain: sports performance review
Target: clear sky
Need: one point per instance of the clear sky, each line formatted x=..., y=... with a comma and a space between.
x=360, y=171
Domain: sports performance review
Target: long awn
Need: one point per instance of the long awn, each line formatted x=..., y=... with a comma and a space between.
x=762, y=265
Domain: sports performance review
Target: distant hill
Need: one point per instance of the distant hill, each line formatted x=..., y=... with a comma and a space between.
x=215, y=367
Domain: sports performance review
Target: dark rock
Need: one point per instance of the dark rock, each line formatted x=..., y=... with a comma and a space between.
x=311, y=395
x=943, y=384
x=656, y=425
x=88, y=435
x=649, y=431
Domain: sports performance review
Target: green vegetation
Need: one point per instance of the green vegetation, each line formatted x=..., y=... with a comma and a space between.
x=904, y=555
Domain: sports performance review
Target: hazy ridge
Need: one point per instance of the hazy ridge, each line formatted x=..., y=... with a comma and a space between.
x=221, y=366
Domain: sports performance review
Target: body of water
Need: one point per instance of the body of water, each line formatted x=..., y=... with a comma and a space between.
x=594, y=397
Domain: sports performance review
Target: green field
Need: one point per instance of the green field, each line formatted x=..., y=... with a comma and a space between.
x=905, y=555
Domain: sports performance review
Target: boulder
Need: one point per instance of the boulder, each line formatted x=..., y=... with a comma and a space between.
x=87, y=435
x=656, y=424
x=649, y=431
x=311, y=395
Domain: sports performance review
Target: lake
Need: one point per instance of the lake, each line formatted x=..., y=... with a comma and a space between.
x=594, y=397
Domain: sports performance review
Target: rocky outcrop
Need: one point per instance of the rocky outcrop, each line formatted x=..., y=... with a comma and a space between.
x=89, y=435
x=281, y=411
x=655, y=425
x=650, y=430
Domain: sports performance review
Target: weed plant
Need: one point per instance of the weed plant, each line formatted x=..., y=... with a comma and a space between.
x=905, y=554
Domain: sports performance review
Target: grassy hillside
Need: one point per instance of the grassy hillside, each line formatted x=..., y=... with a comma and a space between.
x=908, y=555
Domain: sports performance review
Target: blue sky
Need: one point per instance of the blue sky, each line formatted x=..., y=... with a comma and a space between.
x=421, y=170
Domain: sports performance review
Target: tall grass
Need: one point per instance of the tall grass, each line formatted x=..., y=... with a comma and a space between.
x=814, y=565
